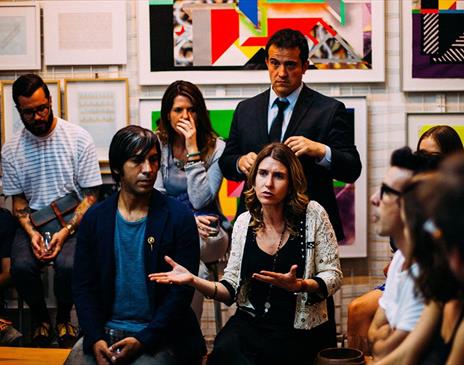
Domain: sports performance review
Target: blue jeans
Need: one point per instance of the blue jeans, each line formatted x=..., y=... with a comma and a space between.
x=162, y=357
x=26, y=272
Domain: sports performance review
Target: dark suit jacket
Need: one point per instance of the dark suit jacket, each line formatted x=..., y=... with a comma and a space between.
x=316, y=117
x=175, y=234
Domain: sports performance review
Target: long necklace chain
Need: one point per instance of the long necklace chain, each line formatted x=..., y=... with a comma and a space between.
x=267, y=302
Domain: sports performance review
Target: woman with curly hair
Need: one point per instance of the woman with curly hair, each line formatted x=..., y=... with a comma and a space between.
x=283, y=265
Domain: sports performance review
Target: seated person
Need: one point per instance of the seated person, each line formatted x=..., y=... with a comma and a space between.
x=189, y=170
x=124, y=317
x=8, y=334
x=283, y=245
x=399, y=307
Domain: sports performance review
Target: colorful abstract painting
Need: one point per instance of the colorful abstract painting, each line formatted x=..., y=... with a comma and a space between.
x=233, y=33
x=433, y=45
x=438, y=39
x=351, y=198
x=207, y=35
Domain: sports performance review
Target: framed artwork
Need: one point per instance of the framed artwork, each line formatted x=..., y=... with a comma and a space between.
x=101, y=106
x=209, y=42
x=85, y=32
x=432, y=45
x=11, y=121
x=351, y=198
x=19, y=36
x=418, y=123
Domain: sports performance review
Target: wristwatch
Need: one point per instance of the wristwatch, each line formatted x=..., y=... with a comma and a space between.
x=70, y=229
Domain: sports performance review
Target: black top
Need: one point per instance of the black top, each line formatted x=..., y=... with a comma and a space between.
x=8, y=226
x=282, y=302
x=439, y=350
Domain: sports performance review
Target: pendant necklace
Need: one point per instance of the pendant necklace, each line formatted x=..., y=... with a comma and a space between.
x=267, y=303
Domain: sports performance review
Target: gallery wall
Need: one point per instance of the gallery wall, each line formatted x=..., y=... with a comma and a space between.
x=387, y=113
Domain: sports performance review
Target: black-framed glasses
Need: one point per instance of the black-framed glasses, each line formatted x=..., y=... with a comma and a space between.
x=41, y=110
x=385, y=189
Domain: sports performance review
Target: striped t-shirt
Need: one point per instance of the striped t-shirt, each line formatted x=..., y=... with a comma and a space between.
x=48, y=168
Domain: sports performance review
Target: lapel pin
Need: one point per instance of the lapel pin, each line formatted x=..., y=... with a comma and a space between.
x=151, y=242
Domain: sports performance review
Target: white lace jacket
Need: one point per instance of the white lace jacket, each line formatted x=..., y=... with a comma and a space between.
x=321, y=261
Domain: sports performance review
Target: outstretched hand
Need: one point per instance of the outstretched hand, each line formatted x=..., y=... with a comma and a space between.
x=178, y=275
x=286, y=281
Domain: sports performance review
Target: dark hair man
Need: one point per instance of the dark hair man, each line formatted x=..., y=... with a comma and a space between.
x=125, y=317
x=314, y=126
x=48, y=159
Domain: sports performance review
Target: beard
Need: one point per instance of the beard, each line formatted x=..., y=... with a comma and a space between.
x=40, y=128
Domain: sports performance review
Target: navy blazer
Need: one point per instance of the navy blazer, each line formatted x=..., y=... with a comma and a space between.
x=172, y=231
x=315, y=116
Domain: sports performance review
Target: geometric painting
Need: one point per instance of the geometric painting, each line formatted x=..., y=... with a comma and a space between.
x=230, y=35
x=438, y=39
x=436, y=43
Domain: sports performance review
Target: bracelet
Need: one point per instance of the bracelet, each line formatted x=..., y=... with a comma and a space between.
x=193, y=154
x=70, y=228
x=215, y=292
x=192, y=163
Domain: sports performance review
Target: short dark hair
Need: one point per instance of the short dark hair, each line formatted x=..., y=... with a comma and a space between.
x=289, y=38
x=26, y=85
x=445, y=137
x=128, y=142
x=405, y=158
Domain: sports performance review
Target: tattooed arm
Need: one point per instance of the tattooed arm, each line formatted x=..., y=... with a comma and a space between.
x=60, y=237
x=22, y=212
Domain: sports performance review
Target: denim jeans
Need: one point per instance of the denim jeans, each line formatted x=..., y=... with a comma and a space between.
x=162, y=357
x=26, y=272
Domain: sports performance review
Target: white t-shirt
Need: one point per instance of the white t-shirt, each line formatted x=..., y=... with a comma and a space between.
x=402, y=307
x=47, y=168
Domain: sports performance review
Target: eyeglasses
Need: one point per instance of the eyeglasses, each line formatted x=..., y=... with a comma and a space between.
x=384, y=188
x=41, y=110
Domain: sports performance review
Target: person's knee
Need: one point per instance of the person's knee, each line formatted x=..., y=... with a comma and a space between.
x=23, y=268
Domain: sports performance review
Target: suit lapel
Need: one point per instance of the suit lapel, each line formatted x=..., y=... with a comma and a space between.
x=302, y=106
x=156, y=221
x=262, y=108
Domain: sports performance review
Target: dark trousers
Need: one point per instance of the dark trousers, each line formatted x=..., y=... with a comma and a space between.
x=245, y=340
x=26, y=272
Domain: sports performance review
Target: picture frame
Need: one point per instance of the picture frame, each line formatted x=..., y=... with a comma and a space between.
x=10, y=113
x=418, y=123
x=20, y=36
x=351, y=198
x=85, y=32
x=101, y=106
x=228, y=75
x=426, y=61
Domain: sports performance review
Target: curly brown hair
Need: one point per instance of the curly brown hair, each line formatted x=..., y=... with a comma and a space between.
x=296, y=200
x=206, y=136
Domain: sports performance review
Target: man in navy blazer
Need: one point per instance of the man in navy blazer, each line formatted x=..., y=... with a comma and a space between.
x=125, y=317
x=316, y=127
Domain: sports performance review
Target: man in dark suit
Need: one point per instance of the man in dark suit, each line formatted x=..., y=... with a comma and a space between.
x=126, y=318
x=317, y=128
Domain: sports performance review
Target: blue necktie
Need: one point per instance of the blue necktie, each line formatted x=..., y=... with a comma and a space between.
x=275, y=133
